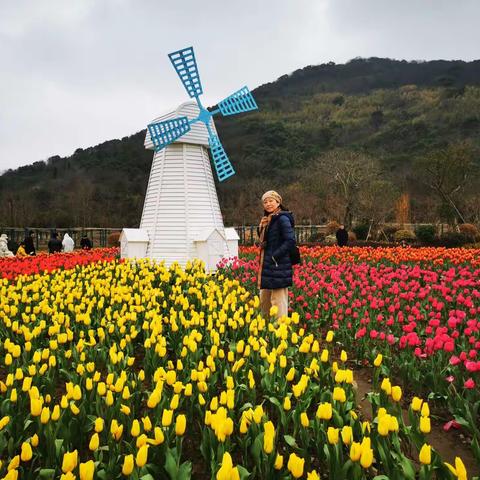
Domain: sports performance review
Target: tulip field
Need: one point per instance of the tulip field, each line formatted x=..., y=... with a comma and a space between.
x=113, y=369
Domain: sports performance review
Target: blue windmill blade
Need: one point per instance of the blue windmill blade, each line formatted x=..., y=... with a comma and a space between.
x=222, y=164
x=186, y=66
x=166, y=132
x=238, y=102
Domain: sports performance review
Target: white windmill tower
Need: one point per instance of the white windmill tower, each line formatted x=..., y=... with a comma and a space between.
x=181, y=217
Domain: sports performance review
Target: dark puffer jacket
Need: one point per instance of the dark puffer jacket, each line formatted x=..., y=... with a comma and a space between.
x=280, y=239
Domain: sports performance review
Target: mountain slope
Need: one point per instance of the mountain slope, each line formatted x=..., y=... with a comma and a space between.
x=394, y=112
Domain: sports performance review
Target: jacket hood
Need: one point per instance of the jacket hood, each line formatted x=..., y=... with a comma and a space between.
x=288, y=214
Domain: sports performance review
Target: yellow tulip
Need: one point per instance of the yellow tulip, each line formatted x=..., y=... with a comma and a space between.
x=36, y=406
x=278, y=462
x=167, y=417
x=128, y=465
x=180, y=425
x=4, y=422
x=425, y=455
x=386, y=386
x=313, y=475
x=396, y=393
x=226, y=470
x=99, y=422
x=295, y=465
x=343, y=356
x=366, y=459
x=68, y=476
x=347, y=434
x=425, y=412
x=70, y=460
x=459, y=471
x=87, y=470
x=339, y=394
x=378, y=360
x=159, y=436
x=425, y=425
x=325, y=411
x=383, y=425
x=324, y=356
x=416, y=404
x=34, y=440
x=304, y=420
x=355, y=451
x=135, y=430
x=269, y=437
x=45, y=415
x=142, y=456
x=14, y=463
x=287, y=405
x=94, y=442
x=332, y=435
x=26, y=452
x=55, y=413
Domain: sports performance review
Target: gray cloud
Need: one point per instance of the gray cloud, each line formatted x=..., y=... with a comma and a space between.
x=80, y=72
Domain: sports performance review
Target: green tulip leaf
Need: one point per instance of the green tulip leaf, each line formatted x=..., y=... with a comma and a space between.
x=47, y=473
x=290, y=441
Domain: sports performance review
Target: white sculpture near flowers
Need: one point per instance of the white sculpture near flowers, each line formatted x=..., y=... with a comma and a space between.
x=4, y=251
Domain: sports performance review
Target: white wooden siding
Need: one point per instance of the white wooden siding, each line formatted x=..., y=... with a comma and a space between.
x=181, y=202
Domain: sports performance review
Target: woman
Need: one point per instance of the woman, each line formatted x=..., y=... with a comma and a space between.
x=277, y=239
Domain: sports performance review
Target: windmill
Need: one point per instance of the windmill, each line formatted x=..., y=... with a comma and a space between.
x=181, y=217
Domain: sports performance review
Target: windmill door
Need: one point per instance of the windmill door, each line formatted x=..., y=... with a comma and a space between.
x=216, y=249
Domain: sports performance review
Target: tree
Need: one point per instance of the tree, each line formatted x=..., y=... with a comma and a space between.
x=377, y=202
x=447, y=172
x=347, y=173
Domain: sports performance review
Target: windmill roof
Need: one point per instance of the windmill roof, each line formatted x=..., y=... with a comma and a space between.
x=135, y=235
x=198, y=134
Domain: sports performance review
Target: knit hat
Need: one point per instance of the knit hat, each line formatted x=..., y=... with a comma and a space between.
x=272, y=194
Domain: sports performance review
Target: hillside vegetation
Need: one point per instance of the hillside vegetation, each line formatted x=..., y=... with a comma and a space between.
x=362, y=142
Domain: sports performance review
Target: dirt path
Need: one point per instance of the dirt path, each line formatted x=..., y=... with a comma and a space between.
x=448, y=444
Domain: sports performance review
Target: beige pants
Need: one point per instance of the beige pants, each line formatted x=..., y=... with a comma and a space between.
x=278, y=297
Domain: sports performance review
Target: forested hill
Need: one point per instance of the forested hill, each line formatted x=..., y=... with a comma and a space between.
x=384, y=124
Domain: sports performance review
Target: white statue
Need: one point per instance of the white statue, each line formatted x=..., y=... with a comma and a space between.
x=4, y=251
x=68, y=243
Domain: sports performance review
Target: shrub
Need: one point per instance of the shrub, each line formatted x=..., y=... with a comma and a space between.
x=361, y=230
x=404, y=235
x=316, y=237
x=390, y=231
x=332, y=227
x=113, y=239
x=330, y=240
x=451, y=240
x=470, y=231
x=425, y=233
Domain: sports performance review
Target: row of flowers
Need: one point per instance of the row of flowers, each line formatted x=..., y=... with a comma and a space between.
x=131, y=370
x=394, y=255
x=13, y=267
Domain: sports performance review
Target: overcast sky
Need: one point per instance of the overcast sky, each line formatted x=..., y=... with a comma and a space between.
x=75, y=73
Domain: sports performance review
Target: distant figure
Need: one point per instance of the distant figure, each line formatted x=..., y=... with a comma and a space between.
x=68, y=243
x=21, y=252
x=85, y=242
x=28, y=243
x=4, y=251
x=12, y=246
x=54, y=244
x=342, y=236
